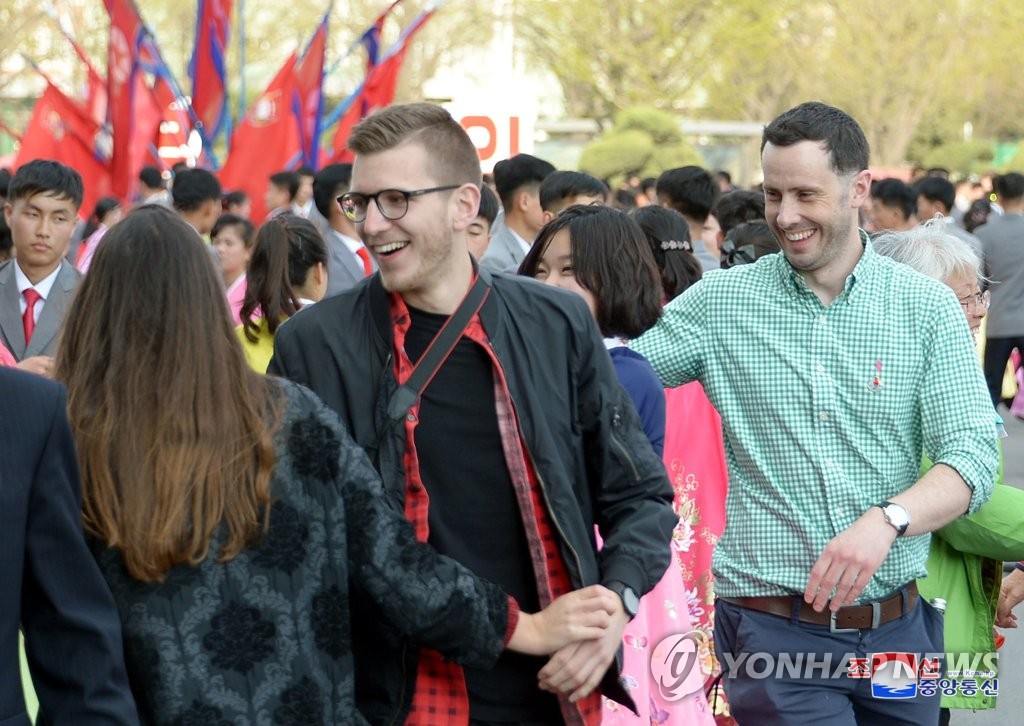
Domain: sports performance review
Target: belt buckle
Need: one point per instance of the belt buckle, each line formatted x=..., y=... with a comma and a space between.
x=876, y=617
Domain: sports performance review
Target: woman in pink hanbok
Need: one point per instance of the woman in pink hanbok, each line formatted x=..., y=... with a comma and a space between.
x=694, y=452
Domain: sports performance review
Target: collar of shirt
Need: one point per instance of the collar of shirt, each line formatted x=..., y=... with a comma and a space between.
x=351, y=244
x=522, y=242
x=240, y=280
x=793, y=282
x=43, y=287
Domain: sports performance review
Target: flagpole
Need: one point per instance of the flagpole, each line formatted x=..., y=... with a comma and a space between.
x=241, y=66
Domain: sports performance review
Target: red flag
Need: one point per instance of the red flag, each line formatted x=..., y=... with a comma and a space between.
x=208, y=66
x=307, y=99
x=378, y=90
x=96, y=98
x=265, y=142
x=122, y=68
x=60, y=130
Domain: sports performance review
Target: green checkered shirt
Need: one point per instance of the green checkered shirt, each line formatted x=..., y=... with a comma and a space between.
x=825, y=410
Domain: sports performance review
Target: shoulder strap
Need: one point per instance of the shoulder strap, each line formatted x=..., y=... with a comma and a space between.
x=438, y=351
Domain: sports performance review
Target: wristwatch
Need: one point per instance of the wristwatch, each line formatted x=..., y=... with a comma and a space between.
x=897, y=517
x=630, y=600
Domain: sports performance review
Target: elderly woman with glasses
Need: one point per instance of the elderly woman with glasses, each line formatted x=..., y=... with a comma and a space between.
x=965, y=563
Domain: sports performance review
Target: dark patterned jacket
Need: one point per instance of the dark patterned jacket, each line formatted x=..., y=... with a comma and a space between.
x=265, y=638
x=580, y=429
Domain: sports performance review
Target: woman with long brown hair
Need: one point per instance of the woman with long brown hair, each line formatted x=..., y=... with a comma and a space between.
x=230, y=511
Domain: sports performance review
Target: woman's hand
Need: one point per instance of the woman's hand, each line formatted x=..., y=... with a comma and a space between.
x=580, y=615
x=1010, y=594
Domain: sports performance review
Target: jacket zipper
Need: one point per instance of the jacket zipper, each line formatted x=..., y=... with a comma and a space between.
x=616, y=422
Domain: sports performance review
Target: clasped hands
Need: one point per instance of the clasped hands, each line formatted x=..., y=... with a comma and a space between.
x=582, y=631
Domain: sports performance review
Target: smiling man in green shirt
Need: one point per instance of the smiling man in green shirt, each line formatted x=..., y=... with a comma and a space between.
x=832, y=368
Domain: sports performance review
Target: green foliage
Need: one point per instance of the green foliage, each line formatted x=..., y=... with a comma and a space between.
x=961, y=157
x=644, y=141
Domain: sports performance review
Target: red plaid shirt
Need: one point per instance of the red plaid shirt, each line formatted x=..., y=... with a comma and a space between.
x=440, y=695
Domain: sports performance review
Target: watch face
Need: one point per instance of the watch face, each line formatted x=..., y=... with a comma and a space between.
x=897, y=516
x=630, y=601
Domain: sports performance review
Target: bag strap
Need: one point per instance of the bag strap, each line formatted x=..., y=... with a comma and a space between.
x=438, y=351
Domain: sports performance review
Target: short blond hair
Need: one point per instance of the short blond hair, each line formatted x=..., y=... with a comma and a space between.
x=453, y=156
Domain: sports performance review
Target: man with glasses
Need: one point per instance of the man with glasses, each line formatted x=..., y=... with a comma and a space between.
x=837, y=370
x=521, y=441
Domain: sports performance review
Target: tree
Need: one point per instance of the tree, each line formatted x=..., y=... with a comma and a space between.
x=644, y=141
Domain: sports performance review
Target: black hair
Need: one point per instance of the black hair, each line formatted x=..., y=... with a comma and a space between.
x=192, y=188
x=488, y=205
x=104, y=206
x=937, y=189
x=668, y=235
x=6, y=240
x=738, y=206
x=233, y=220
x=521, y=170
x=746, y=242
x=5, y=181
x=288, y=180
x=1009, y=186
x=648, y=183
x=977, y=214
x=689, y=190
x=287, y=248
x=235, y=198
x=151, y=177
x=332, y=181
x=624, y=199
x=611, y=259
x=51, y=178
x=844, y=139
x=305, y=171
x=561, y=185
x=897, y=194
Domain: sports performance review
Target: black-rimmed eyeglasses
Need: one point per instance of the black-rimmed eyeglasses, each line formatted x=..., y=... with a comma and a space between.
x=393, y=204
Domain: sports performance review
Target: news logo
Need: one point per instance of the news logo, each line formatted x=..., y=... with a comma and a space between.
x=894, y=675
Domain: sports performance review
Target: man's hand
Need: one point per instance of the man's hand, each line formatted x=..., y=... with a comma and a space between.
x=41, y=365
x=579, y=667
x=1010, y=595
x=849, y=560
x=580, y=615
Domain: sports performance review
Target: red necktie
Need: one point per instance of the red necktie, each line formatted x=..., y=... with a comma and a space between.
x=28, y=319
x=365, y=257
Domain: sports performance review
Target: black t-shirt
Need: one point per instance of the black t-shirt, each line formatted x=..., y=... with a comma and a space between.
x=473, y=514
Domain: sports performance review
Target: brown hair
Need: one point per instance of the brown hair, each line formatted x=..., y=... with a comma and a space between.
x=174, y=430
x=453, y=155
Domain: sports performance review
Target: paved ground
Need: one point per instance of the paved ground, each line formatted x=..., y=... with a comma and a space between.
x=1010, y=708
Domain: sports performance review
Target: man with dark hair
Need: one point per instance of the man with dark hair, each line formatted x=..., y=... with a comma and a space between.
x=53, y=590
x=518, y=183
x=152, y=189
x=936, y=196
x=196, y=196
x=561, y=189
x=478, y=234
x=348, y=261
x=892, y=206
x=302, y=204
x=282, y=188
x=692, y=192
x=519, y=442
x=1002, y=248
x=736, y=207
x=37, y=286
x=833, y=369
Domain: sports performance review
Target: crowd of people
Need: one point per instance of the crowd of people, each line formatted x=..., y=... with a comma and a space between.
x=429, y=447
